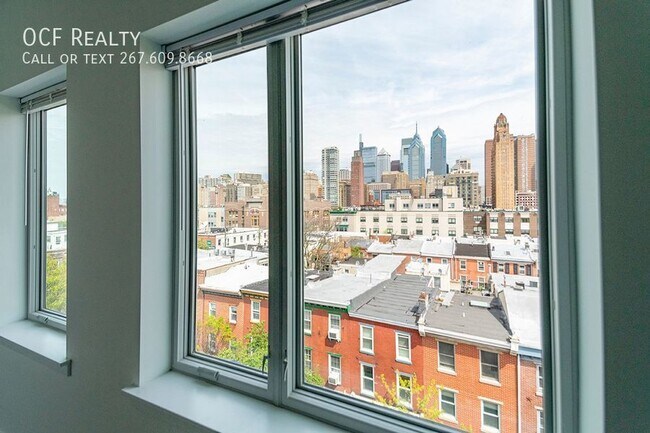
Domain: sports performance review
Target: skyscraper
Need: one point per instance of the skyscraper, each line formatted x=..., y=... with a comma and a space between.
x=487, y=173
x=357, y=188
x=344, y=174
x=369, y=155
x=525, y=158
x=503, y=165
x=383, y=163
x=395, y=165
x=412, y=156
x=330, y=174
x=438, y=164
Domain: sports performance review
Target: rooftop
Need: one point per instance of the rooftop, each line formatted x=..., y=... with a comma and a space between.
x=408, y=246
x=237, y=277
x=438, y=247
x=463, y=249
x=210, y=259
x=521, y=298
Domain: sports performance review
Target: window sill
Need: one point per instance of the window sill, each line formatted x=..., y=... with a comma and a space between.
x=41, y=343
x=448, y=418
x=448, y=371
x=489, y=430
x=490, y=381
x=219, y=409
x=403, y=361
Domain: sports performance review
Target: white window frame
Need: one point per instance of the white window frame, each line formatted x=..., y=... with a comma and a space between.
x=212, y=309
x=309, y=359
x=232, y=314
x=333, y=333
x=463, y=264
x=540, y=420
x=483, y=377
x=362, y=389
x=307, y=320
x=554, y=81
x=398, y=388
x=399, y=358
x=445, y=368
x=480, y=265
x=362, y=349
x=486, y=428
x=334, y=372
x=539, y=379
x=256, y=311
x=35, y=108
x=446, y=416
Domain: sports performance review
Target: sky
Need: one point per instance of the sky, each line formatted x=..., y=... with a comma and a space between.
x=56, y=152
x=454, y=64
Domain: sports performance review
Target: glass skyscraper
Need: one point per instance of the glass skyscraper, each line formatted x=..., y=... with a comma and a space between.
x=438, y=164
x=412, y=156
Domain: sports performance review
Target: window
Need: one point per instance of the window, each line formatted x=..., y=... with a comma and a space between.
x=334, y=332
x=448, y=404
x=308, y=359
x=212, y=309
x=418, y=220
x=367, y=380
x=540, y=380
x=490, y=419
x=540, y=421
x=452, y=205
x=444, y=261
x=463, y=264
x=367, y=339
x=481, y=266
x=489, y=365
x=307, y=324
x=47, y=207
x=446, y=356
x=389, y=219
x=403, y=347
x=255, y=311
x=232, y=310
x=404, y=389
x=334, y=377
x=304, y=126
x=375, y=219
x=434, y=220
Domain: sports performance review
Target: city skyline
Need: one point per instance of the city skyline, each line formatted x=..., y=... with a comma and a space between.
x=451, y=76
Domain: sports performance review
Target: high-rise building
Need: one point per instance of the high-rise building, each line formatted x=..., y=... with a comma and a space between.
x=345, y=193
x=438, y=164
x=357, y=187
x=344, y=174
x=503, y=165
x=395, y=165
x=330, y=174
x=397, y=179
x=369, y=155
x=249, y=178
x=383, y=163
x=466, y=181
x=412, y=156
x=487, y=173
x=310, y=185
x=525, y=162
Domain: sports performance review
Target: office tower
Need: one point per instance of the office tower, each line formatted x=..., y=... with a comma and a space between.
x=503, y=165
x=397, y=179
x=345, y=193
x=525, y=158
x=249, y=178
x=357, y=187
x=344, y=174
x=369, y=155
x=383, y=163
x=412, y=156
x=438, y=164
x=330, y=174
x=395, y=165
x=466, y=181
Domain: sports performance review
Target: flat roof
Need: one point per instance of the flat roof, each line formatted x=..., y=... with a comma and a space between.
x=394, y=300
x=440, y=247
x=408, y=246
x=336, y=291
x=236, y=277
x=462, y=317
x=522, y=304
x=379, y=248
x=210, y=259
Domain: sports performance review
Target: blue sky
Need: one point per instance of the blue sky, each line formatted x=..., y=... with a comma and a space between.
x=454, y=64
x=56, y=151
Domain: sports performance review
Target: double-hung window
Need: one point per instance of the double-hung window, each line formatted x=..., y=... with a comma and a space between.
x=402, y=347
x=446, y=356
x=490, y=416
x=448, y=404
x=232, y=312
x=260, y=102
x=46, y=204
x=367, y=339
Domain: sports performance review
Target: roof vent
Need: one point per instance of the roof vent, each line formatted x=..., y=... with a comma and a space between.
x=480, y=304
x=519, y=285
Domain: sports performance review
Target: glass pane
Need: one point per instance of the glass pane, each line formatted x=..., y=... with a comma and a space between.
x=56, y=237
x=232, y=210
x=419, y=198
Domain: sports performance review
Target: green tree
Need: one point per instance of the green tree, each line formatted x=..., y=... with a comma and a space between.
x=423, y=397
x=56, y=275
x=357, y=252
x=202, y=244
x=313, y=378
